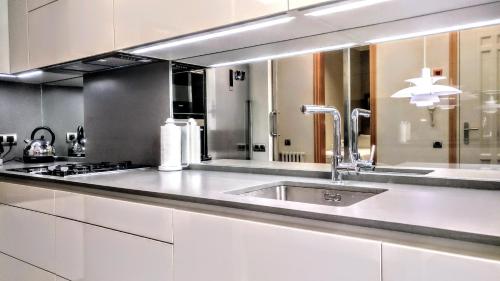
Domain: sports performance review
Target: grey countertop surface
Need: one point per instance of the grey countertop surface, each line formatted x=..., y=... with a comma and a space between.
x=456, y=213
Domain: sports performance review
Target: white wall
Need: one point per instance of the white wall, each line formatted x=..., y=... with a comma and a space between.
x=260, y=89
x=396, y=62
x=293, y=88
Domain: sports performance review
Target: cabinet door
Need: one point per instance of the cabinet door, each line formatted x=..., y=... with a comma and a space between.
x=224, y=249
x=90, y=253
x=296, y=4
x=18, y=36
x=140, y=219
x=401, y=263
x=66, y=30
x=28, y=236
x=35, y=4
x=27, y=197
x=139, y=22
x=12, y=269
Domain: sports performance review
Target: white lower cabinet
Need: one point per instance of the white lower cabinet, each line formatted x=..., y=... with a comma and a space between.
x=211, y=247
x=12, y=269
x=28, y=236
x=402, y=263
x=86, y=252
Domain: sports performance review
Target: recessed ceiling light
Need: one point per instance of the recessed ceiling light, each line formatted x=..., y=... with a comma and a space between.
x=344, y=7
x=215, y=34
x=284, y=55
x=29, y=74
x=434, y=31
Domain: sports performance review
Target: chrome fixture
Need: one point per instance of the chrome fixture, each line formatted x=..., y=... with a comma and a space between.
x=353, y=147
x=337, y=119
x=356, y=164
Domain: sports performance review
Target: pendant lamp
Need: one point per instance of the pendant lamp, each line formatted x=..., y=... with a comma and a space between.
x=423, y=92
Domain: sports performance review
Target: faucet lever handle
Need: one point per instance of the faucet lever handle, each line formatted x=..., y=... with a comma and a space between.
x=372, y=154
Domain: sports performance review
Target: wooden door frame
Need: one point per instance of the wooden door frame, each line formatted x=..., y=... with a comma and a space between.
x=319, y=99
x=453, y=101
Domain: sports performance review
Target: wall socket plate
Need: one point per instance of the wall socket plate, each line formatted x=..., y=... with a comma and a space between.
x=70, y=137
x=4, y=138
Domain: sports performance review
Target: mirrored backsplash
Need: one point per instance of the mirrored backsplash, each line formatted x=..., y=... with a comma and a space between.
x=438, y=129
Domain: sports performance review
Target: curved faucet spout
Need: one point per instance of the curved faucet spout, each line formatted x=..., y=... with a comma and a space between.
x=337, y=141
x=353, y=145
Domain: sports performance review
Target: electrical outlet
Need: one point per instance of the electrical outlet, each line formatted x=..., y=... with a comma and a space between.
x=8, y=139
x=259, y=147
x=70, y=137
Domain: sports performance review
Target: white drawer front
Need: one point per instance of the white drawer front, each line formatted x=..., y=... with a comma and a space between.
x=90, y=253
x=401, y=263
x=29, y=197
x=140, y=219
x=28, y=236
x=14, y=270
x=225, y=249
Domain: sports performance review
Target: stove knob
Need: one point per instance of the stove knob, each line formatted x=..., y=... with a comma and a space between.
x=64, y=169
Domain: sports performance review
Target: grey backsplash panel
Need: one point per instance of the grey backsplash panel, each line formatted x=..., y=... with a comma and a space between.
x=123, y=111
x=20, y=112
x=62, y=112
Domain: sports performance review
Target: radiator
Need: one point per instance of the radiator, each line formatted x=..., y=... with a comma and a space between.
x=289, y=156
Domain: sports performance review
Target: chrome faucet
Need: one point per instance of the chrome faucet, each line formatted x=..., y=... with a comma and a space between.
x=337, y=145
x=359, y=163
x=356, y=164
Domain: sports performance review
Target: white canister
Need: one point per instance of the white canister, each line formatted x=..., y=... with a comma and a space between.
x=171, y=145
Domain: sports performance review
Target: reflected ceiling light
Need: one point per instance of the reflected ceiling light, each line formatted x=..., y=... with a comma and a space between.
x=344, y=7
x=30, y=74
x=284, y=55
x=7, y=75
x=215, y=34
x=424, y=92
x=434, y=31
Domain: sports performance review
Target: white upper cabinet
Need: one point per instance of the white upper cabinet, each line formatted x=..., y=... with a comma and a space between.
x=67, y=30
x=18, y=36
x=401, y=263
x=4, y=37
x=296, y=4
x=218, y=248
x=139, y=22
x=35, y=4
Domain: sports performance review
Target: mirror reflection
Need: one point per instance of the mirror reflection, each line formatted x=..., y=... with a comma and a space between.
x=455, y=122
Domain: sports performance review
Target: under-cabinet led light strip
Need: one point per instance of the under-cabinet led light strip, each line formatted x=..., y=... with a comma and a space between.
x=216, y=34
x=434, y=31
x=284, y=55
x=29, y=74
x=344, y=7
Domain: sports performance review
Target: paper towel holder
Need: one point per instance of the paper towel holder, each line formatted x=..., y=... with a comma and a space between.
x=180, y=165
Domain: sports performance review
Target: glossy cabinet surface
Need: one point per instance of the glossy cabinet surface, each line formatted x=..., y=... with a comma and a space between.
x=401, y=263
x=297, y=4
x=35, y=4
x=140, y=219
x=210, y=247
x=139, y=22
x=28, y=236
x=4, y=37
x=90, y=253
x=66, y=30
x=28, y=197
x=18, y=36
x=12, y=269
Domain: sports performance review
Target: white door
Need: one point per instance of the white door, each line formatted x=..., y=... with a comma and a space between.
x=479, y=122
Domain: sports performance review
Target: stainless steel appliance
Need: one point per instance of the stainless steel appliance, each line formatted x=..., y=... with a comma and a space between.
x=39, y=150
x=77, y=145
x=78, y=169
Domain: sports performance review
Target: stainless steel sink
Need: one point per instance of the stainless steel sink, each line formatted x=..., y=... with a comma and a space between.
x=322, y=194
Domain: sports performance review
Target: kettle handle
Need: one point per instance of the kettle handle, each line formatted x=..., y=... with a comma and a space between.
x=52, y=135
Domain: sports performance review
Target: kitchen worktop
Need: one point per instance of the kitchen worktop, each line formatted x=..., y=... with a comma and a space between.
x=456, y=213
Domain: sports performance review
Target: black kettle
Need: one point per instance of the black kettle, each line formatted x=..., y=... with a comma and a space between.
x=39, y=150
